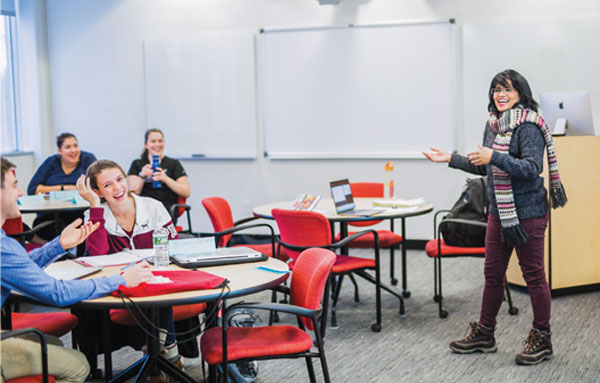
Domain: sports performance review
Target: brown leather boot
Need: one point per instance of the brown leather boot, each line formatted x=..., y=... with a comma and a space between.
x=477, y=339
x=538, y=347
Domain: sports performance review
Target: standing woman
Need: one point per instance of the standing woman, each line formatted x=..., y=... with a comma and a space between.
x=515, y=137
x=174, y=180
x=60, y=172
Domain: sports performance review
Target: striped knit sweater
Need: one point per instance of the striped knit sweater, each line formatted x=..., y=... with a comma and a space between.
x=523, y=163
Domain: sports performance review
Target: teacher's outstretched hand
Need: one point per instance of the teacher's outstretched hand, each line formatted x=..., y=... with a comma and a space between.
x=437, y=155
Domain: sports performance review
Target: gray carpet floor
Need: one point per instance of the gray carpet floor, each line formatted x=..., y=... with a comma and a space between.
x=414, y=348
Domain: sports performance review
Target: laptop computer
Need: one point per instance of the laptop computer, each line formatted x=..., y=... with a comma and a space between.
x=344, y=202
x=201, y=252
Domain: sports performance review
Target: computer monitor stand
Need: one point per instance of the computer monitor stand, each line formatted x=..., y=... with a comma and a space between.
x=560, y=127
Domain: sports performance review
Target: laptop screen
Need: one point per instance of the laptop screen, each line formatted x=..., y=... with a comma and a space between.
x=342, y=195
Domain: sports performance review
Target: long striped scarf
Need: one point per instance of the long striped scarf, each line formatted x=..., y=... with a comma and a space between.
x=504, y=127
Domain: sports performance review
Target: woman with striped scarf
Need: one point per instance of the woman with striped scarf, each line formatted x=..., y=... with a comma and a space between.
x=511, y=156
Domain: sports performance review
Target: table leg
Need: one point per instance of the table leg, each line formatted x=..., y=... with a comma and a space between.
x=153, y=362
x=405, y=292
x=105, y=319
x=344, y=234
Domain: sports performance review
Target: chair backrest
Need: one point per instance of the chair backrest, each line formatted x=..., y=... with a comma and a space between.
x=13, y=225
x=302, y=228
x=311, y=271
x=366, y=190
x=180, y=210
x=220, y=215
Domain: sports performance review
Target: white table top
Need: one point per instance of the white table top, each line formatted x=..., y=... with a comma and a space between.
x=244, y=279
x=327, y=208
x=52, y=206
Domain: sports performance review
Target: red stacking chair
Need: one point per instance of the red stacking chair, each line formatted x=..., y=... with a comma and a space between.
x=44, y=378
x=176, y=211
x=13, y=227
x=222, y=345
x=122, y=316
x=222, y=220
x=55, y=323
x=303, y=229
x=438, y=249
x=387, y=238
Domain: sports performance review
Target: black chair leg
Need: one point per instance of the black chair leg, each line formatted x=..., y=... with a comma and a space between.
x=393, y=279
x=311, y=370
x=511, y=309
x=336, y=295
x=356, y=296
x=436, y=296
x=273, y=316
x=442, y=313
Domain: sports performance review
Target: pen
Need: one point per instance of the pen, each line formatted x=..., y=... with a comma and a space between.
x=133, y=263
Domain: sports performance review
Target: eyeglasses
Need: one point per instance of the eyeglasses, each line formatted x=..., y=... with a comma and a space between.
x=498, y=90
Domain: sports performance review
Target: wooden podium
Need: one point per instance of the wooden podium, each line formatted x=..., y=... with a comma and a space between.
x=572, y=238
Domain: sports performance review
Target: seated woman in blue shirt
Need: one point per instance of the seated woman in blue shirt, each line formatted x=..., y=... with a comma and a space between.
x=59, y=172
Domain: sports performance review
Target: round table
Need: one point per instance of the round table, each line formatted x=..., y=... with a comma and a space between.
x=244, y=279
x=327, y=208
x=52, y=206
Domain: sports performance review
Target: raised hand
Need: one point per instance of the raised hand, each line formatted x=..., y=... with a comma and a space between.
x=76, y=232
x=437, y=155
x=85, y=191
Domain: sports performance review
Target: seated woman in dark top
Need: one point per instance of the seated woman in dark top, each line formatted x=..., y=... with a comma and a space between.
x=60, y=172
x=174, y=180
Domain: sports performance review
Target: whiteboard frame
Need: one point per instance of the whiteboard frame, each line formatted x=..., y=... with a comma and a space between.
x=278, y=155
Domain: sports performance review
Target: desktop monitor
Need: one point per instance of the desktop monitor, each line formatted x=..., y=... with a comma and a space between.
x=568, y=113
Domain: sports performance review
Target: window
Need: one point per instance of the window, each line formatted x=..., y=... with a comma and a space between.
x=10, y=139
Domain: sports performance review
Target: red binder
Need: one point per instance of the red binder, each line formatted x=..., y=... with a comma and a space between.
x=174, y=281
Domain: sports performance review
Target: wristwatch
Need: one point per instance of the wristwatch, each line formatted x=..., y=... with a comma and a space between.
x=62, y=187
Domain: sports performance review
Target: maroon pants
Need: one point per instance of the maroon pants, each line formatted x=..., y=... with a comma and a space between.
x=531, y=261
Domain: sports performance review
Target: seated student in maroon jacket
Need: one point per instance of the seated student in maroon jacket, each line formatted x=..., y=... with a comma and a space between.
x=126, y=221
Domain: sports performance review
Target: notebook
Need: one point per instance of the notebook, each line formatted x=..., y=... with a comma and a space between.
x=344, y=202
x=202, y=252
x=69, y=270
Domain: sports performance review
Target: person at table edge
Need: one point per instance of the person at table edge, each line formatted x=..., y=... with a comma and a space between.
x=59, y=172
x=22, y=272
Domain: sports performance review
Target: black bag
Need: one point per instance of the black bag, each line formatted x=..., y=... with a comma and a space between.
x=472, y=205
x=242, y=372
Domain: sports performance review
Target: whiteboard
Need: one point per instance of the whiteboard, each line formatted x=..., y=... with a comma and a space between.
x=370, y=91
x=200, y=90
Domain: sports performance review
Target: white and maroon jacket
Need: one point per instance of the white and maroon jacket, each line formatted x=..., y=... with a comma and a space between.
x=111, y=238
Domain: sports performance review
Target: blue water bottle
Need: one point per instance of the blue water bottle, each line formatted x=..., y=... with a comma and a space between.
x=155, y=164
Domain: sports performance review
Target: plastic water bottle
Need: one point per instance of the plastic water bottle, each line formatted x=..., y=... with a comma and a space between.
x=155, y=164
x=160, y=239
x=388, y=185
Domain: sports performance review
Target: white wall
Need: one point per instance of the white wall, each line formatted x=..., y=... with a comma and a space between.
x=97, y=89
